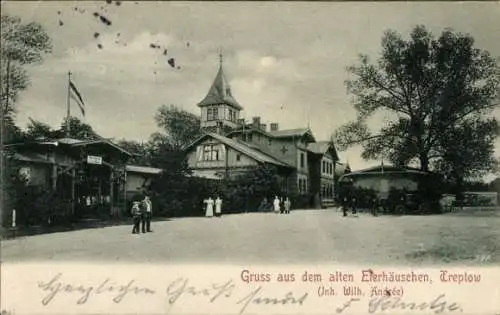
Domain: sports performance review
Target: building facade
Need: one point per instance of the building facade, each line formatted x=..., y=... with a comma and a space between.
x=91, y=176
x=230, y=145
x=382, y=179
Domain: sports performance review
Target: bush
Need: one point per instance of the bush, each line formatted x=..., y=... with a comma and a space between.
x=181, y=198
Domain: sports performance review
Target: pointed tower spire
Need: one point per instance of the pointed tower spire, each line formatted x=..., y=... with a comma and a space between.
x=219, y=110
x=220, y=91
x=221, y=57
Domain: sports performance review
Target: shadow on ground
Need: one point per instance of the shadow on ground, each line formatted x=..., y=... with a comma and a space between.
x=80, y=225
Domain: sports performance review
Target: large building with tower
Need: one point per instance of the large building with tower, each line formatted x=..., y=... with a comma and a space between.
x=230, y=145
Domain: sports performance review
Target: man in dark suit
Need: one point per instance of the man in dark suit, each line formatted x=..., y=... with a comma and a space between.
x=147, y=214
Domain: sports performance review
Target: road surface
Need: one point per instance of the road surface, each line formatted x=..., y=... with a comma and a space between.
x=306, y=236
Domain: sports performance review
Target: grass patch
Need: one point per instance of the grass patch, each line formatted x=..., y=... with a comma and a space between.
x=443, y=253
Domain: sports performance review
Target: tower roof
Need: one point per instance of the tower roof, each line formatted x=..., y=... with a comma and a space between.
x=220, y=92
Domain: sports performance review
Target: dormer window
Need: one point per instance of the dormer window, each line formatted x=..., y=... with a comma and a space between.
x=212, y=114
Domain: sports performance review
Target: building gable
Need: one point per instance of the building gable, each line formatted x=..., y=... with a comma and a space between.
x=216, y=151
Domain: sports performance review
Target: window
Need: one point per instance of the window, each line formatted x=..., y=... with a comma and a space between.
x=323, y=167
x=232, y=115
x=302, y=160
x=247, y=137
x=270, y=141
x=238, y=157
x=283, y=184
x=211, y=153
x=212, y=114
x=302, y=183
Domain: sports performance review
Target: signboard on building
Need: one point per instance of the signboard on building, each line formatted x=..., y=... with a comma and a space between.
x=92, y=159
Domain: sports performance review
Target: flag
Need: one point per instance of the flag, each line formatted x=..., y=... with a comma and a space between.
x=77, y=97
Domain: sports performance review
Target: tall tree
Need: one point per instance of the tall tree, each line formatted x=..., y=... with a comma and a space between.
x=180, y=127
x=440, y=92
x=20, y=44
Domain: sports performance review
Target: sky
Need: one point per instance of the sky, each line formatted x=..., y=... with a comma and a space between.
x=285, y=61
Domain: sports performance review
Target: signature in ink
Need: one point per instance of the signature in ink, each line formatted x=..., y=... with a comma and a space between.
x=437, y=305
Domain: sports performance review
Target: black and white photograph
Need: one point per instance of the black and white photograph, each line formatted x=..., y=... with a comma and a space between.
x=142, y=132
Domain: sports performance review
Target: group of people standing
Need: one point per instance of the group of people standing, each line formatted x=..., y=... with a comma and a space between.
x=142, y=212
x=209, y=210
x=282, y=206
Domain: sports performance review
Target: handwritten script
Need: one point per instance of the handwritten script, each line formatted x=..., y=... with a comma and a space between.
x=56, y=287
x=175, y=292
x=244, y=297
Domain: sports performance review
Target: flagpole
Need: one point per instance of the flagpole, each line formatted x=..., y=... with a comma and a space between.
x=68, y=113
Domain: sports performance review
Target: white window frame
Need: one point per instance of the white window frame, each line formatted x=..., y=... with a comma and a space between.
x=211, y=153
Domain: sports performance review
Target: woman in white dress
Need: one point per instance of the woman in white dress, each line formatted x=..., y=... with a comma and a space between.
x=276, y=204
x=210, y=208
x=218, y=207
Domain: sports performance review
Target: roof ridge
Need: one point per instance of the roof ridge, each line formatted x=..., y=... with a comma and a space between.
x=258, y=148
x=247, y=147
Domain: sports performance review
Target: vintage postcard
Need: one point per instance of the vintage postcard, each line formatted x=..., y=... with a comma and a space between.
x=250, y=157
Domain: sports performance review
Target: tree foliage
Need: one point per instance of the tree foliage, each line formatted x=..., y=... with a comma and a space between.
x=440, y=92
x=180, y=127
x=140, y=150
x=37, y=129
x=78, y=130
x=21, y=44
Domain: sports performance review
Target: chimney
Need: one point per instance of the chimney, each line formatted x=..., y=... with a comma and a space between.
x=256, y=122
x=274, y=126
x=263, y=127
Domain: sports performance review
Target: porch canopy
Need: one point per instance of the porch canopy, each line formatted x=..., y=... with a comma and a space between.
x=87, y=173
